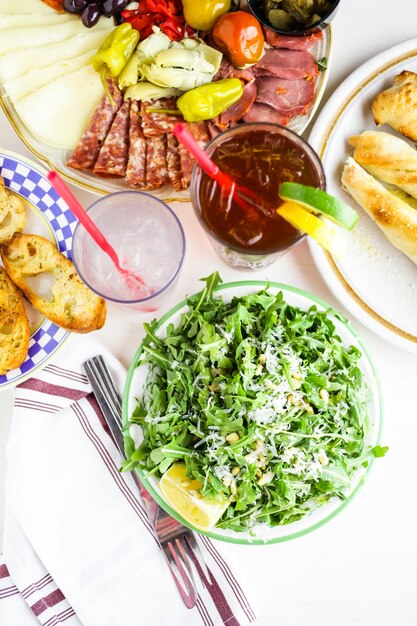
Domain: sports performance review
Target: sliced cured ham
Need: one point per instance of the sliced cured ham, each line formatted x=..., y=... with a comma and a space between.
x=289, y=64
x=235, y=112
x=136, y=165
x=292, y=43
x=113, y=156
x=213, y=128
x=86, y=153
x=289, y=97
x=265, y=113
x=227, y=70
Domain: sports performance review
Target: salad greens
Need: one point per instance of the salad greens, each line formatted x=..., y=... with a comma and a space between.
x=262, y=402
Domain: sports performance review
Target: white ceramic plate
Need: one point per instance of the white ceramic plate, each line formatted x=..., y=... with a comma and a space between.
x=57, y=159
x=296, y=297
x=47, y=215
x=374, y=281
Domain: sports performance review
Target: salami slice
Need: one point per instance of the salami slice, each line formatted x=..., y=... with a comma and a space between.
x=136, y=165
x=156, y=163
x=86, y=153
x=199, y=131
x=113, y=156
x=187, y=164
x=154, y=123
x=174, y=163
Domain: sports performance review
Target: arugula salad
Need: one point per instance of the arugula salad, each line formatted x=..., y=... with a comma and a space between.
x=261, y=401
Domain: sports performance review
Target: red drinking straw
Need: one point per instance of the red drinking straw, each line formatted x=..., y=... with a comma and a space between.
x=83, y=217
x=225, y=181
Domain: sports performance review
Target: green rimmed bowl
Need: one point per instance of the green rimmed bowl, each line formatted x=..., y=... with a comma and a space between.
x=295, y=297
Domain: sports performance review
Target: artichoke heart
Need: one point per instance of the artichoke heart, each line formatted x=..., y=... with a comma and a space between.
x=181, y=64
x=178, y=78
x=148, y=91
x=149, y=47
x=184, y=59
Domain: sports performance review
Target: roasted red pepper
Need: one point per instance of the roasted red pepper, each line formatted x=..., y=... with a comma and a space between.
x=166, y=14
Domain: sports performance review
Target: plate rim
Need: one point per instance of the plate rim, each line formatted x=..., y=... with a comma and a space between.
x=23, y=134
x=347, y=92
x=26, y=375
x=379, y=410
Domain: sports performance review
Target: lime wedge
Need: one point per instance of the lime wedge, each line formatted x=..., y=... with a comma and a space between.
x=323, y=233
x=318, y=201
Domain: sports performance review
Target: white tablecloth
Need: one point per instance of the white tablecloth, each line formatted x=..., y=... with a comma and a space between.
x=358, y=570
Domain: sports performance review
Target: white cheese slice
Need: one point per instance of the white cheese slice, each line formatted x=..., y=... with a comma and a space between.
x=23, y=86
x=20, y=62
x=17, y=21
x=58, y=113
x=25, y=7
x=27, y=37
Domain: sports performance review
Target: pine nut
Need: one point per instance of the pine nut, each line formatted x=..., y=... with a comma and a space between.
x=324, y=395
x=265, y=479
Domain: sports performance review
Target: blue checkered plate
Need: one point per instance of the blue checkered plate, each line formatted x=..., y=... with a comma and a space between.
x=48, y=215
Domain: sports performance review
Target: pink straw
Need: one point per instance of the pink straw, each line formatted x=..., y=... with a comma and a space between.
x=82, y=215
x=185, y=137
x=224, y=180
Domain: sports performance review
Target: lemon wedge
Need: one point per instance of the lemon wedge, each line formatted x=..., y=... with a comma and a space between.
x=323, y=233
x=318, y=201
x=183, y=495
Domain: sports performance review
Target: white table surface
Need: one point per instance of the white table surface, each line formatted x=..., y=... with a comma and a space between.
x=360, y=569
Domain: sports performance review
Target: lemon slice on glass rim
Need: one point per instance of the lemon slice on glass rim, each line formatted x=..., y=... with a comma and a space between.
x=183, y=495
x=325, y=235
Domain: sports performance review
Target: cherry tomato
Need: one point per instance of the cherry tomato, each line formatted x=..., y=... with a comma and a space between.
x=239, y=35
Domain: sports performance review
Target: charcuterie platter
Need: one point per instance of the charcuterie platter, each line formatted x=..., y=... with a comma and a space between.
x=55, y=97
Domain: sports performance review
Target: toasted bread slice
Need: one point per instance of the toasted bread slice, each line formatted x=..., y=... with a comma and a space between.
x=388, y=158
x=397, y=106
x=12, y=213
x=14, y=326
x=396, y=218
x=72, y=305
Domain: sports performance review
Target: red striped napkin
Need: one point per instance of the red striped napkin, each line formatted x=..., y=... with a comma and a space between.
x=78, y=546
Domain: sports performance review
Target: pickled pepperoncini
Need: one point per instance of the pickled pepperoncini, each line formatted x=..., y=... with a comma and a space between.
x=202, y=14
x=208, y=101
x=114, y=53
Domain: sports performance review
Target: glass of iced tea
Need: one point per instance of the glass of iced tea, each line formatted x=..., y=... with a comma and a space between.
x=259, y=157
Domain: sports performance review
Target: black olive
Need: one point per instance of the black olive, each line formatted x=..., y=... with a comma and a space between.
x=110, y=7
x=91, y=14
x=74, y=6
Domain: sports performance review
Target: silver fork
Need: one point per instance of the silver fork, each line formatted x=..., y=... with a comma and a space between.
x=177, y=542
